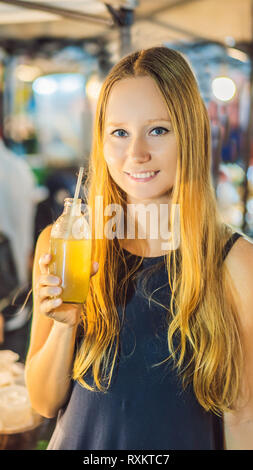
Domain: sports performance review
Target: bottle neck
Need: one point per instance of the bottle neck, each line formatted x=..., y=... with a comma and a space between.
x=70, y=208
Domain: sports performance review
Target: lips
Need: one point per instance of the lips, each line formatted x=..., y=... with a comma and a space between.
x=143, y=179
x=143, y=171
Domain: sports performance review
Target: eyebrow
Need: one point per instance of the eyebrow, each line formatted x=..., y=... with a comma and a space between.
x=148, y=121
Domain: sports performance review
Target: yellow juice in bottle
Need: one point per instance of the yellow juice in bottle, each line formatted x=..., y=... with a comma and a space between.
x=71, y=261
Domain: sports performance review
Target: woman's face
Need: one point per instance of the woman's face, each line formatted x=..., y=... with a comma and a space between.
x=138, y=138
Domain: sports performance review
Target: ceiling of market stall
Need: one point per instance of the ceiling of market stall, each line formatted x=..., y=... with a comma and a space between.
x=225, y=21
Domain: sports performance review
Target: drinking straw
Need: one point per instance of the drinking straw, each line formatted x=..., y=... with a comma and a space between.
x=77, y=190
x=78, y=184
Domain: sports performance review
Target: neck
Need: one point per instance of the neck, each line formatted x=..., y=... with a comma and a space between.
x=150, y=223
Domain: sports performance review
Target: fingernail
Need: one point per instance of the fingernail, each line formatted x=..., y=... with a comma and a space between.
x=95, y=265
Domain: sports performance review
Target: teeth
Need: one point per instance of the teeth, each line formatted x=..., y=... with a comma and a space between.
x=143, y=175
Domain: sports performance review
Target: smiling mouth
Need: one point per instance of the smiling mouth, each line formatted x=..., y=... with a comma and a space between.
x=143, y=176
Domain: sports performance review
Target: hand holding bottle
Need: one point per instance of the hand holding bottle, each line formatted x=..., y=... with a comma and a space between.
x=49, y=292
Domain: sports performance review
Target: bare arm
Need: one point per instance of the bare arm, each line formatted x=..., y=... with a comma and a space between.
x=50, y=357
x=238, y=425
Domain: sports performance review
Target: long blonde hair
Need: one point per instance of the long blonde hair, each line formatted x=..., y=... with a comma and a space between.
x=201, y=313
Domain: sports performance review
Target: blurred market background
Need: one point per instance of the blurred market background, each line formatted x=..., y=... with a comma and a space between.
x=54, y=56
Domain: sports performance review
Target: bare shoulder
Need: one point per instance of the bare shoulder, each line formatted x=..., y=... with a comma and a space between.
x=42, y=244
x=239, y=263
x=44, y=236
x=239, y=259
x=42, y=247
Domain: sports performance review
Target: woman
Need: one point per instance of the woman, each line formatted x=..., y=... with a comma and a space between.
x=161, y=356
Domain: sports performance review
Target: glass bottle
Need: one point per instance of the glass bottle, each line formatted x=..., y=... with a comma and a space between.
x=70, y=247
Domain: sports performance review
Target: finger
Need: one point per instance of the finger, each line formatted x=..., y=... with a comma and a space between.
x=48, y=306
x=48, y=280
x=94, y=268
x=44, y=263
x=47, y=292
x=51, y=314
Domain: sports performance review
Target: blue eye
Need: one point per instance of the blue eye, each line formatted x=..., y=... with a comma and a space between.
x=118, y=130
x=122, y=130
x=163, y=128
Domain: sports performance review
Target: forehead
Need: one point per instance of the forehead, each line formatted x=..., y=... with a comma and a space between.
x=135, y=97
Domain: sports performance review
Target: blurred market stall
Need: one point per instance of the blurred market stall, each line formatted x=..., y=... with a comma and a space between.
x=54, y=56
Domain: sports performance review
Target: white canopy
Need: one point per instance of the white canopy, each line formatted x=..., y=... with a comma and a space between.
x=227, y=21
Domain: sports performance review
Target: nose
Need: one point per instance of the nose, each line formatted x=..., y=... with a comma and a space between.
x=138, y=150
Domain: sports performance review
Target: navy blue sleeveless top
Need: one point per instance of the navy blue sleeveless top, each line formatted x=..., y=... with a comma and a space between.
x=146, y=407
